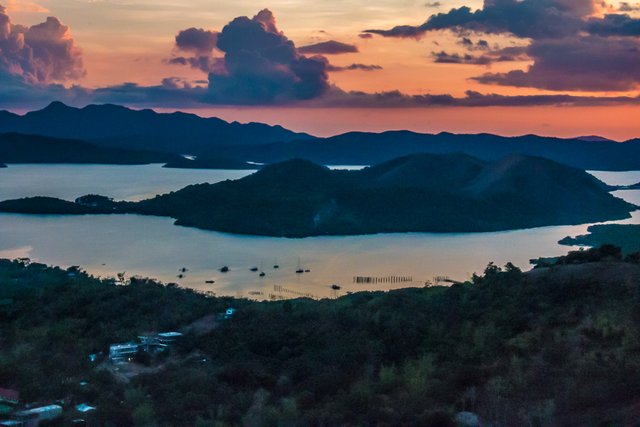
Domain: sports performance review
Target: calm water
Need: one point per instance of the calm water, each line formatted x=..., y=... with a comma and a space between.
x=154, y=247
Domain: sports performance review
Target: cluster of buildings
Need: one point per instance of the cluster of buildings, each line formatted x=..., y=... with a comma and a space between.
x=35, y=415
x=151, y=344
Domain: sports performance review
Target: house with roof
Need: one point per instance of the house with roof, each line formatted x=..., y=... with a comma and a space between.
x=123, y=352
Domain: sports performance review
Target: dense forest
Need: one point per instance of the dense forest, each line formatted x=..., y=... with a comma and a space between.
x=559, y=345
x=418, y=193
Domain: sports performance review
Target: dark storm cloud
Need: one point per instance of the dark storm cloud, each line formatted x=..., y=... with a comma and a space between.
x=40, y=54
x=582, y=63
x=196, y=40
x=330, y=47
x=262, y=66
x=614, y=25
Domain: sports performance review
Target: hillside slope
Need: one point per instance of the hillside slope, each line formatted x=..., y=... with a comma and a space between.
x=20, y=148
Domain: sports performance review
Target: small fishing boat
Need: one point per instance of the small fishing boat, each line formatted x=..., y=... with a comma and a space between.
x=224, y=269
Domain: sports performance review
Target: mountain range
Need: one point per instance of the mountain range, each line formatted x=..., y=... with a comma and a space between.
x=219, y=144
x=417, y=193
x=116, y=126
x=363, y=148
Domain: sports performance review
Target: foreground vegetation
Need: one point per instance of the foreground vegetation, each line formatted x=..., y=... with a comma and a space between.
x=555, y=346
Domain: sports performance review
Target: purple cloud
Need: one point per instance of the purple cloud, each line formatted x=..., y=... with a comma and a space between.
x=589, y=63
x=262, y=66
x=40, y=54
x=196, y=40
x=330, y=47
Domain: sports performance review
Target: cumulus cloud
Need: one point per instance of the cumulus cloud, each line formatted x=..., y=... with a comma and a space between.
x=590, y=63
x=40, y=54
x=573, y=45
x=522, y=18
x=198, y=46
x=330, y=47
x=262, y=66
x=196, y=40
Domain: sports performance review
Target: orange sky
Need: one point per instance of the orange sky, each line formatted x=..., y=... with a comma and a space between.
x=127, y=41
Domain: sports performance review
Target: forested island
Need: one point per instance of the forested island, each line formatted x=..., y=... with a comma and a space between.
x=553, y=346
x=626, y=236
x=417, y=193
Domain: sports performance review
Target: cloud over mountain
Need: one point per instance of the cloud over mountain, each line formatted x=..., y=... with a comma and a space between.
x=261, y=65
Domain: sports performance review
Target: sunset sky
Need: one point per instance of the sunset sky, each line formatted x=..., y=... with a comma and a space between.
x=552, y=67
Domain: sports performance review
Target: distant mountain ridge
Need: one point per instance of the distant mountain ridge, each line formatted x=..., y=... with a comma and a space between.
x=364, y=148
x=116, y=126
x=217, y=143
x=298, y=198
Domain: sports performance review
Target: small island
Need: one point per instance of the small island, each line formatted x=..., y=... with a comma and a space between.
x=417, y=193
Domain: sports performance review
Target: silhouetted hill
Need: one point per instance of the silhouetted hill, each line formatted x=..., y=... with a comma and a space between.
x=594, y=138
x=625, y=236
x=116, y=126
x=19, y=148
x=298, y=198
x=371, y=148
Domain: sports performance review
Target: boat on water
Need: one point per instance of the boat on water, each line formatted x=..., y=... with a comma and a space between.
x=210, y=282
x=254, y=269
x=224, y=269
